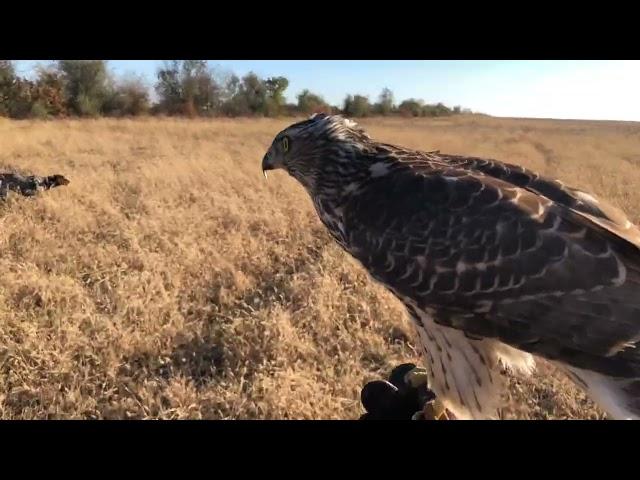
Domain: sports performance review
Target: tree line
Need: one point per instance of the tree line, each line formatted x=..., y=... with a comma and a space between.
x=86, y=88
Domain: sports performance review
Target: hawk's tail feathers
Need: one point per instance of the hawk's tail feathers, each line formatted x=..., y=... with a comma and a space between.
x=619, y=397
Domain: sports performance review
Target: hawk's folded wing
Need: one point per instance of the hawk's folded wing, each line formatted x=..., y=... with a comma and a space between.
x=505, y=261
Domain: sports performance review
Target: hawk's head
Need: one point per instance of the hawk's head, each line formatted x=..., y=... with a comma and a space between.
x=320, y=143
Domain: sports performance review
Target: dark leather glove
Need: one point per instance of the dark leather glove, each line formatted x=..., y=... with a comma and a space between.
x=395, y=398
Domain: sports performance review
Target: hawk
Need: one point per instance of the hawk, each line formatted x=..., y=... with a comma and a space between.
x=495, y=264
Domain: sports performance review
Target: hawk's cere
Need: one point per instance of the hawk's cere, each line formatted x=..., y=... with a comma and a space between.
x=494, y=263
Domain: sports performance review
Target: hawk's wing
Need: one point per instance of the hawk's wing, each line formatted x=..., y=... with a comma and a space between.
x=498, y=260
x=597, y=209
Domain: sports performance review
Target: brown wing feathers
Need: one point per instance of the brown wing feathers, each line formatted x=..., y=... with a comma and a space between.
x=499, y=259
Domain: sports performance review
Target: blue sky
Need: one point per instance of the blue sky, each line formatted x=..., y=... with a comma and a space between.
x=606, y=90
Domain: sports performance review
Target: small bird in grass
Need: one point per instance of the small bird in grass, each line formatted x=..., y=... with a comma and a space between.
x=495, y=264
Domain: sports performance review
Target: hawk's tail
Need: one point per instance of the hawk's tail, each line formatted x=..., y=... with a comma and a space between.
x=619, y=397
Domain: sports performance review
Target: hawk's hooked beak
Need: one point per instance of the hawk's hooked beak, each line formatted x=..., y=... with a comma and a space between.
x=268, y=163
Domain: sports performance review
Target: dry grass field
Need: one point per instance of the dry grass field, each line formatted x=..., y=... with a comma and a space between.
x=170, y=280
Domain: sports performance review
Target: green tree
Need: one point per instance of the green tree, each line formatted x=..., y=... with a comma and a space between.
x=437, y=110
x=200, y=92
x=7, y=86
x=130, y=97
x=309, y=102
x=169, y=88
x=49, y=96
x=254, y=92
x=275, y=101
x=357, y=106
x=385, y=103
x=234, y=102
x=411, y=107
x=188, y=87
x=86, y=85
x=15, y=92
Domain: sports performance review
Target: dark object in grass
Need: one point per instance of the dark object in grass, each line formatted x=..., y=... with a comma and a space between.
x=28, y=185
x=405, y=396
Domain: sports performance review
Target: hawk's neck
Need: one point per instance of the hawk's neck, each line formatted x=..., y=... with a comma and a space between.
x=338, y=184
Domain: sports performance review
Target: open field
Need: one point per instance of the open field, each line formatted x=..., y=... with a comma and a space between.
x=170, y=280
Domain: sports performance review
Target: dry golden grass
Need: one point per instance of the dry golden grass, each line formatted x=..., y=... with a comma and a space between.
x=169, y=280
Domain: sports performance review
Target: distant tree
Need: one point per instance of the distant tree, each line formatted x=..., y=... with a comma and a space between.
x=49, y=96
x=7, y=72
x=130, y=97
x=226, y=82
x=86, y=85
x=253, y=95
x=184, y=87
x=253, y=92
x=411, y=108
x=357, y=106
x=234, y=102
x=309, y=103
x=347, y=105
x=188, y=87
x=437, y=110
x=429, y=111
x=15, y=92
x=10, y=89
x=385, y=103
x=7, y=86
x=200, y=90
x=21, y=100
x=275, y=101
x=190, y=72
x=169, y=88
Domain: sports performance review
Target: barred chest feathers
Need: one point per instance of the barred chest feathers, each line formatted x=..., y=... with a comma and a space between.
x=331, y=217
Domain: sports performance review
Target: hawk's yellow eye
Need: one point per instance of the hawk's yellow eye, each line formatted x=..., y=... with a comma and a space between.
x=285, y=144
